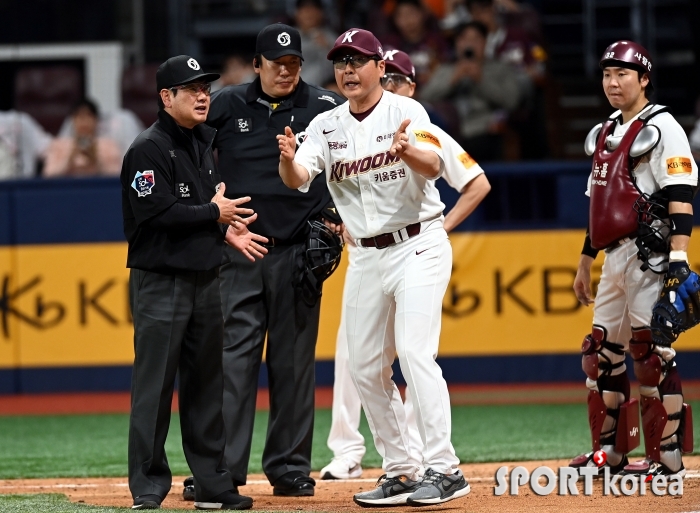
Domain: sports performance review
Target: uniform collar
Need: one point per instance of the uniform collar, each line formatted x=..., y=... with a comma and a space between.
x=300, y=96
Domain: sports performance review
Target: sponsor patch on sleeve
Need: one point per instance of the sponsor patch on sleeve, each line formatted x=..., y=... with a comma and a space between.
x=679, y=166
x=423, y=136
x=466, y=160
x=143, y=183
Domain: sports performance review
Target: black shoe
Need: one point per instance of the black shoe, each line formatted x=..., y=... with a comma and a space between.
x=294, y=484
x=188, y=491
x=226, y=500
x=147, y=502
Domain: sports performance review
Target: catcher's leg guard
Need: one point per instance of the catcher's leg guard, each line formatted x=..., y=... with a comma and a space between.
x=609, y=389
x=661, y=398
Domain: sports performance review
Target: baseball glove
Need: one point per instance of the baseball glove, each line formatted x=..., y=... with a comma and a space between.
x=678, y=306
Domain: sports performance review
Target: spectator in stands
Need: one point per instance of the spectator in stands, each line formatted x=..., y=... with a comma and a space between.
x=482, y=90
x=236, y=69
x=316, y=41
x=23, y=142
x=416, y=33
x=513, y=45
x=86, y=153
x=121, y=126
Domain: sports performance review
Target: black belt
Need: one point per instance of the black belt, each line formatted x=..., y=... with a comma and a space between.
x=387, y=239
x=274, y=242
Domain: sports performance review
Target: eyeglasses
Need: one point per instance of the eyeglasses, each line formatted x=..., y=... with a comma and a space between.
x=194, y=88
x=396, y=78
x=356, y=61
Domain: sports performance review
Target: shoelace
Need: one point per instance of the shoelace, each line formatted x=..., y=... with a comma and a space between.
x=387, y=480
x=432, y=477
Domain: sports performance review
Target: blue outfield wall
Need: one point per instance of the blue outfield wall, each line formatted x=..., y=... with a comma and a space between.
x=532, y=196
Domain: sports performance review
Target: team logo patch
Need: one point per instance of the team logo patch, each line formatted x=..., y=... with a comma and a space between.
x=284, y=39
x=143, y=183
x=243, y=125
x=466, y=160
x=422, y=136
x=337, y=145
x=193, y=64
x=679, y=166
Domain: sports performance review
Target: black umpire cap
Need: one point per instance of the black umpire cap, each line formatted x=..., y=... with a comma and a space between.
x=179, y=70
x=277, y=40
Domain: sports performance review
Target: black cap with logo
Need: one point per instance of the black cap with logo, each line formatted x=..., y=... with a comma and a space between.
x=277, y=40
x=179, y=70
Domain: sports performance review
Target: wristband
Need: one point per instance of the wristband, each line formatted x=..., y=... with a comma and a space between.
x=588, y=249
x=678, y=256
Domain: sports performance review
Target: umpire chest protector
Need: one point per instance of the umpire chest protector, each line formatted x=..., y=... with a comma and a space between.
x=613, y=190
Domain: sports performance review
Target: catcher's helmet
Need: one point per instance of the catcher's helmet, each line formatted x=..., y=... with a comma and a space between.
x=323, y=249
x=628, y=54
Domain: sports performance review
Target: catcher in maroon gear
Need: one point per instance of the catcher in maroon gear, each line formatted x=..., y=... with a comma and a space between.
x=641, y=186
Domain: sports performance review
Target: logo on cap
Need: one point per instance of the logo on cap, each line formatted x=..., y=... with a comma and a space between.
x=389, y=55
x=284, y=39
x=193, y=64
x=348, y=36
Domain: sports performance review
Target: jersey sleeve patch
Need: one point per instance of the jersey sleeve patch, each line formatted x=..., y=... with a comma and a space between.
x=679, y=166
x=466, y=160
x=423, y=136
x=143, y=183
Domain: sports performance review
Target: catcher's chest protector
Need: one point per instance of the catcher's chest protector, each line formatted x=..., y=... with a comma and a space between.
x=613, y=193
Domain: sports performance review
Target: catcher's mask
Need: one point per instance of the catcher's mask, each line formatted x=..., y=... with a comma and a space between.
x=653, y=231
x=321, y=256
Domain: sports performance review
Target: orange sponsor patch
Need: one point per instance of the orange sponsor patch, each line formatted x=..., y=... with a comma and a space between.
x=422, y=136
x=466, y=160
x=679, y=166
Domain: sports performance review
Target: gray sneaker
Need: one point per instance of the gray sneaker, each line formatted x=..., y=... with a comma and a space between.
x=437, y=488
x=389, y=491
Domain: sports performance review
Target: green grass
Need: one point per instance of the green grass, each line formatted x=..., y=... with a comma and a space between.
x=96, y=445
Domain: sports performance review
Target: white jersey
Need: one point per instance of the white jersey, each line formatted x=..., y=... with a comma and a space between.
x=374, y=192
x=460, y=167
x=670, y=163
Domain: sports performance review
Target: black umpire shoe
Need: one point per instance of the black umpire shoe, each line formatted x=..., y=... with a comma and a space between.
x=188, y=491
x=226, y=500
x=294, y=484
x=147, y=502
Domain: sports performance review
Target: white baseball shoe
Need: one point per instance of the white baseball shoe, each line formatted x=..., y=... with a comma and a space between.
x=341, y=468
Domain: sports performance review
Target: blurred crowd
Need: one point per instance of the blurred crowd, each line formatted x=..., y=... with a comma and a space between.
x=480, y=68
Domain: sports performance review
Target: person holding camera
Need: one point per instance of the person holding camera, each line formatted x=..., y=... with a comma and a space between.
x=482, y=90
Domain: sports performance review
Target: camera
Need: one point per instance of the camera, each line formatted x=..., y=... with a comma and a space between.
x=468, y=53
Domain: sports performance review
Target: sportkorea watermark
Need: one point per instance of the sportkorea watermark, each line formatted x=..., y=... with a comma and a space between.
x=545, y=481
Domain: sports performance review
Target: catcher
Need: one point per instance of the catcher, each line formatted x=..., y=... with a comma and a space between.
x=641, y=187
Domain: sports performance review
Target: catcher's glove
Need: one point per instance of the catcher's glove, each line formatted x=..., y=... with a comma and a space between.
x=678, y=306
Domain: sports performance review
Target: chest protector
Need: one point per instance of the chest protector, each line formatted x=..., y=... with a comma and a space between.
x=614, y=192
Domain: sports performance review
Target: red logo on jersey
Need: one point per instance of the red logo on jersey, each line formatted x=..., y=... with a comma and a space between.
x=341, y=170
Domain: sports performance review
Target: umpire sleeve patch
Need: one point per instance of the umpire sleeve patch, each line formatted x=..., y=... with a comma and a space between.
x=243, y=125
x=679, y=166
x=423, y=136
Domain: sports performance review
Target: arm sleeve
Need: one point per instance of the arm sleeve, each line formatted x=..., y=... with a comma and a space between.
x=179, y=214
x=148, y=199
x=422, y=133
x=460, y=167
x=311, y=154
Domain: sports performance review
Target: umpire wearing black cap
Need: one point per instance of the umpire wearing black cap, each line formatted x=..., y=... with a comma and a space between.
x=176, y=219
x=263, y=299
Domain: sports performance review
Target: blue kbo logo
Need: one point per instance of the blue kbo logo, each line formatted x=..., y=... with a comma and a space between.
x=143, y=183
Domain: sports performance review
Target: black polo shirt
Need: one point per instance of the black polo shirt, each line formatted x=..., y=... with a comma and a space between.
x=246, y=139
x=167, y=187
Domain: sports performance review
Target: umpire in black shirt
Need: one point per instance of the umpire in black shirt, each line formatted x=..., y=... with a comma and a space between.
x=176, y=220
x=263, y=298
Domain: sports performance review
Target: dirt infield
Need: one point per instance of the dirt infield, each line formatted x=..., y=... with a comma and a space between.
x=336, y=496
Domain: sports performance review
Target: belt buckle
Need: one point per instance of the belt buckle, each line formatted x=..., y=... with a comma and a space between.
x=376, y=243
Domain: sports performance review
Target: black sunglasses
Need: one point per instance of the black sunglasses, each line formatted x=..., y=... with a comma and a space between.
x=356, y=61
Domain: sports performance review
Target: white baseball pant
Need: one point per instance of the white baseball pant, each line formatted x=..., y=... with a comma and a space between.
x=402, y=286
